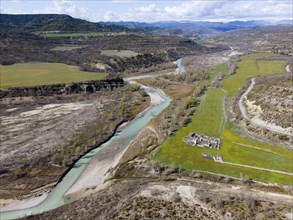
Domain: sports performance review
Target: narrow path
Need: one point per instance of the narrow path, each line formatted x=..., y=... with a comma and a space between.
x=257, y=148
x=288, y=68
x=153, y=130
x=259, y=168
x=224, y=121
x=244, y=95
x=257, y=121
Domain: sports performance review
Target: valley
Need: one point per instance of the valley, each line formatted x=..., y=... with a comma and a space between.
x=103, y=121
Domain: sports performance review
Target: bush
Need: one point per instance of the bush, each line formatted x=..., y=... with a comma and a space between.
x=143, y=93
x=190, y=102
x=7, y=62
x=133, y=87
x=283, y=138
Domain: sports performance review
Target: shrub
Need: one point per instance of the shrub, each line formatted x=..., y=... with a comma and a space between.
x=190, y=102
x=143, y=93
x=133, y=87
x=283, y=138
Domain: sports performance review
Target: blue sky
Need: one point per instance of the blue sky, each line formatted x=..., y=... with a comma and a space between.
x=151, y=11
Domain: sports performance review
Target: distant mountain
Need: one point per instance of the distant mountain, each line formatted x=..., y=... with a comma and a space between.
x=285, y=22
x=54, y=22
x=249, y=23
x=59, y=22
x=175, y=27
x=197, y=27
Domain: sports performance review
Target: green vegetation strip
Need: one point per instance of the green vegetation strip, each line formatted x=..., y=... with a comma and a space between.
x=35, y=74
x=208, y=120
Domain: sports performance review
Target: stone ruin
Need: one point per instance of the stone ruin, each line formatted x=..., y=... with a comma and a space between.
x=204, y=141
x=216, y=158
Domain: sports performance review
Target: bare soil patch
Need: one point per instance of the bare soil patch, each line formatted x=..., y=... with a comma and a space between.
x=147, y=198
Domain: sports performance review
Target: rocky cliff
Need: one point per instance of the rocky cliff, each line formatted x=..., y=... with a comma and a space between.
x=59, y=89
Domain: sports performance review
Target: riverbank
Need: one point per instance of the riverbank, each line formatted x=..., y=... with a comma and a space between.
x=11, y=204
x=104, y=154
x=30, y=189
x=98, y=169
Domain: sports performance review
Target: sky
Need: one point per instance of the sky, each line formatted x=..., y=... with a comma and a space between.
x=152, y=11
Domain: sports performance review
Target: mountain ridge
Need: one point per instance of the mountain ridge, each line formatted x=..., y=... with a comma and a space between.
x=199, y=27
x=54, y=22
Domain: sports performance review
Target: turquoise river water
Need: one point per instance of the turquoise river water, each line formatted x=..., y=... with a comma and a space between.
x=124, y=135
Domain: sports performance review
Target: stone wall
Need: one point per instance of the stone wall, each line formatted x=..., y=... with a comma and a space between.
x=59, y=89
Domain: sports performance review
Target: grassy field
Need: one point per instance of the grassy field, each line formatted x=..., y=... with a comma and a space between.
x=119, y=53
x=235, y=148
x=34, y=74
x=208, y=115
x=249, y=67
x=90, y=34
x=221, y=68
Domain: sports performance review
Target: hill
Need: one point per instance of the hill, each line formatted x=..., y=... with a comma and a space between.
x=55, y=22
x=197, y=27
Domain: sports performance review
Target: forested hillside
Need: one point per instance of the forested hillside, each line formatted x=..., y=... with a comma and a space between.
x=54, y=22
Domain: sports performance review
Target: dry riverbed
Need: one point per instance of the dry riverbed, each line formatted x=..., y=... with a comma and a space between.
x=42, y=136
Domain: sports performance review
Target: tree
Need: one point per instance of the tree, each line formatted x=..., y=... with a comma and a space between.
x=77, y=151
x=156, y=165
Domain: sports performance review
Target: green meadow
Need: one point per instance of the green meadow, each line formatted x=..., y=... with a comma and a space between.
x=249, y=67
x=34, y=74
x=235, y=148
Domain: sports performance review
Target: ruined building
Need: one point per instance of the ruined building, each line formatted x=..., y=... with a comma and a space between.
x=204, y=141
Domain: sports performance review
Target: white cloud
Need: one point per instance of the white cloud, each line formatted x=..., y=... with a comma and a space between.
x=194, y=9
x=187, y=10
x=17, y=1
x=144, y=13
x=223, y=10
x=148, y=9
x=67, y=7
x=272, y=10
x=122, y=1
x=108, y=16
x=215, y=10
x=10, y=11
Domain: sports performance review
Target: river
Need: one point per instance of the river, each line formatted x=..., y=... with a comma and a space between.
x=124, y=135
x=180, y=68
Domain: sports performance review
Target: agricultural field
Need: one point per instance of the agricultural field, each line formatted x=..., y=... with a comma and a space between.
x=119, y=53
x=249, y=67
x=243, y=158
x=175, y=90
x=34, y=74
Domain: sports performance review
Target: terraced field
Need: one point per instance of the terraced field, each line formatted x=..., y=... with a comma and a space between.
x=119, y=53
x=245, y=158
x=34, y=74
